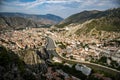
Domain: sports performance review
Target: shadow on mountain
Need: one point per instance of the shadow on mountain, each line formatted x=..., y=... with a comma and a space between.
x=25, y=67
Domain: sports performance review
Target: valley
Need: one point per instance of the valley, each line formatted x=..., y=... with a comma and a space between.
x=86, y=43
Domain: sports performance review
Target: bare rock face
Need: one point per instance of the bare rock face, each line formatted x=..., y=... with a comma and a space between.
x=31, y=57
x=33, y=61
x=22, y=65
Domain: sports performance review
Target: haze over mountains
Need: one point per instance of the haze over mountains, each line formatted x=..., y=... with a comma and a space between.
x=20, y=20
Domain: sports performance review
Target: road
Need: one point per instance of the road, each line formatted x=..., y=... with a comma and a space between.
x=51, y=45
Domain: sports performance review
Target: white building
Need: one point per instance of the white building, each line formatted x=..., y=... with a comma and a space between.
x=84, y=69
x=56, y=59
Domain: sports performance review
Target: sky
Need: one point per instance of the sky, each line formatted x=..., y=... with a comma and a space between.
x=62, y=8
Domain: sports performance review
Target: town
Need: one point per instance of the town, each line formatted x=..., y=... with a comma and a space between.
x=87, y=49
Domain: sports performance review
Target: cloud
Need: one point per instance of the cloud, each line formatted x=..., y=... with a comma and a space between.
x=83, y=3
x=35, y=3
x=117, y=2
x=28, y=5
x=62, y=8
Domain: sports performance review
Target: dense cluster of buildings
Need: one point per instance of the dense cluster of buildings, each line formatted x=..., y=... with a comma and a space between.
x=82, y=48
x=21, y=39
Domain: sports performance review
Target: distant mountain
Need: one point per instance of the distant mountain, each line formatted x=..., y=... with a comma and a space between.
x=78, y=18
x=85, y=16
x=20, y=20
x=16, y=23
x=43, y=19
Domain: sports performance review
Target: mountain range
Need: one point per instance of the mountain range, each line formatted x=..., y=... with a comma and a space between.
x=93, y=23
x=32, y=64
x=87, y=15
x=20, y=20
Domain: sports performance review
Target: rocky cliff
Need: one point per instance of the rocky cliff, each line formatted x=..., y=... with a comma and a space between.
x=22, y=65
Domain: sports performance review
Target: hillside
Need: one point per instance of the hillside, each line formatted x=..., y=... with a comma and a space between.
x=86, y=16
x=16, y=23
x=23, y=65
x=43, y=19
x=102, y=24
x=20, y=20
x=109, y=23
x=104, y=27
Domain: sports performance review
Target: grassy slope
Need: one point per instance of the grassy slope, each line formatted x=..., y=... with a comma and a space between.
x=88, y=15
x=110, y=23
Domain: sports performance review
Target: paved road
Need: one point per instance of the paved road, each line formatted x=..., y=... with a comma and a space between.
x=51, y=45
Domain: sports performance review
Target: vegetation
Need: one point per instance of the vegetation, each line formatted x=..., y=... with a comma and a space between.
x=71, y=71
x=61, y=45
x=115, y=65
x=10, y=20
x=19, y=67
x=9, y=58
x=64, y=54
x=62, y=25
x=103, y=73
x=78, y=18
x=103, y=24
x=108, y=23
x=103, y=61
x=88, y=15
